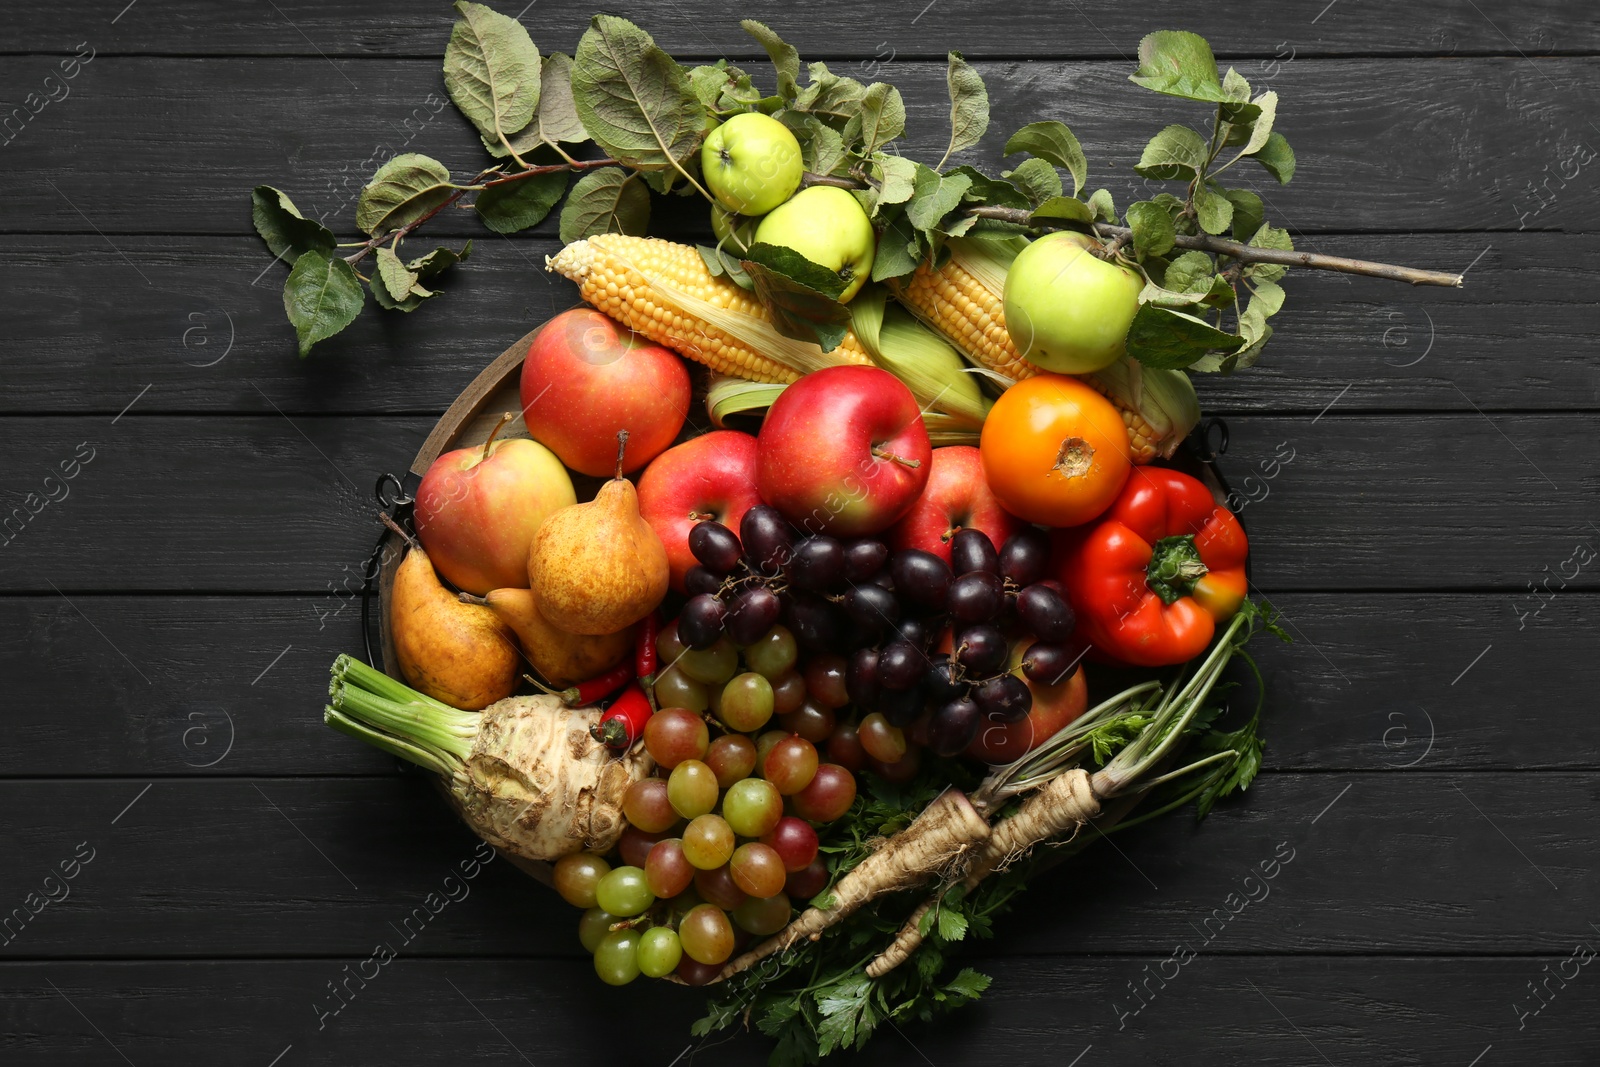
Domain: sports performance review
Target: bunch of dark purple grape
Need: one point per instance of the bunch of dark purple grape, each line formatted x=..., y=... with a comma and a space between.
x=881, y=615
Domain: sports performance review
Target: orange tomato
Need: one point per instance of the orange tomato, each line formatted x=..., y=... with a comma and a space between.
x=1055, y=451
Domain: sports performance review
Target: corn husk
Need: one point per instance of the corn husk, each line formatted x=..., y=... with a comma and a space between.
x=1164, y=398
x=728, y=396
x=929, y=366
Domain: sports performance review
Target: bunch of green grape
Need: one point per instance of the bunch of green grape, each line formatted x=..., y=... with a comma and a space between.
x=721, y=841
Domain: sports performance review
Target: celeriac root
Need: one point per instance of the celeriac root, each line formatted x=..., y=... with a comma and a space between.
x=1065, y=802
x=938, y=843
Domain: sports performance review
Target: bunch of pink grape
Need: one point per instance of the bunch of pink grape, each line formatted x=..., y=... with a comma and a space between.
x=721, y=841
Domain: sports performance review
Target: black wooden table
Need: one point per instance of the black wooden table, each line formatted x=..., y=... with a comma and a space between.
x=193, y=864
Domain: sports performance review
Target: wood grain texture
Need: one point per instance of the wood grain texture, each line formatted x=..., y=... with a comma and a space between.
x=203, y=338
x=329, y=863
x=834, y=28
x=1367, y=685
x=1431, y=756
x=1406, y=1012
x=266, y=502
x=1439, y=144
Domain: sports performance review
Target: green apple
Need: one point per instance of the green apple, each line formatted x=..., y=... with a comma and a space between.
x=1067, y=310
x=751, y=163
x=829, y=226
x=736, y=233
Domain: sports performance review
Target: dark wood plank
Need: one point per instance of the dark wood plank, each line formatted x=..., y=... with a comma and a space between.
x=203, y=338
x=1388, y=145
x=1397, y=863
x=832, y=28
x=268, y=503
x=236, y=684
x=1407, y=1012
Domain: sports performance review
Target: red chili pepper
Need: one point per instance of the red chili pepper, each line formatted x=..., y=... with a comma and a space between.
x=623, y=722
x=644, y=649
x=598, y=688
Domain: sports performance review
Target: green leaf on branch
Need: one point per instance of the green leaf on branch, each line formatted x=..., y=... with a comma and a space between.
x=1065, y=208
x=1248, y=213
x=1175, y=154
x=287, y=232
x=897, y=176
x=987, y=190
x=491, y=71
x=633, y=98
x=706, y=82
x=785, y=59
x=822, y=150
x=898, y=251
x=1037, y=178
x=1103, y=206
x=321, y=297
x=438, y=261
x=1235, y=87
x=403, y=190
x=802, y=296
x=881, y=118
x=1190, y=273
x=556, y=120
x=1268, y=297
x=1178, y=63
x=935, y=196
x=720, y=263
x=394, y=285
x=969, y=107
x=1152, y=229
x=1052, y=140
x=1269, y=236
x=1261, y=128
x=1171, y=340
x=608, y=200
x=1212, y=209
x=1276, y=155
x=518, y=205
x=830, y=97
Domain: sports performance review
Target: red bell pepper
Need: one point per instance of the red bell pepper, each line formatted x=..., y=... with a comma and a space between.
x=1164, y=565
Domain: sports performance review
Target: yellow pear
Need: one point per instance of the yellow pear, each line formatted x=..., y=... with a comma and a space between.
x=458, y=653
x=598, y=567
x=562, y=659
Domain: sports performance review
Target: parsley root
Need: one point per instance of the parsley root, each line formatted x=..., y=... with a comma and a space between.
x=937, y=843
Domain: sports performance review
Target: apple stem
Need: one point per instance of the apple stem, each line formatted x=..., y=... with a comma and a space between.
x=883, y=453
x=1109, y=252
x=383, y=517
x=622, y=446
x=488, y=441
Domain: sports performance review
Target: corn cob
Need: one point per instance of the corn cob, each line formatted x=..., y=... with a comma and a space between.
x=664, y=291
x=964, y=301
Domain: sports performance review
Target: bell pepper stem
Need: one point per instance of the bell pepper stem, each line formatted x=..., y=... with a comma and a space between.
x=1175, y=566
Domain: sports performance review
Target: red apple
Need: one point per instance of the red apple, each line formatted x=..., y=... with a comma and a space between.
x=479, y=507
x=708, y=477
x=956, y=498
x=1054, y=706
x=586, y=378
x=843, y=451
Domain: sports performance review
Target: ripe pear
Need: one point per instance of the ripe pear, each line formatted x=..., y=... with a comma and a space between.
x=562, y=659
x=458, y=653
x=598, y=567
